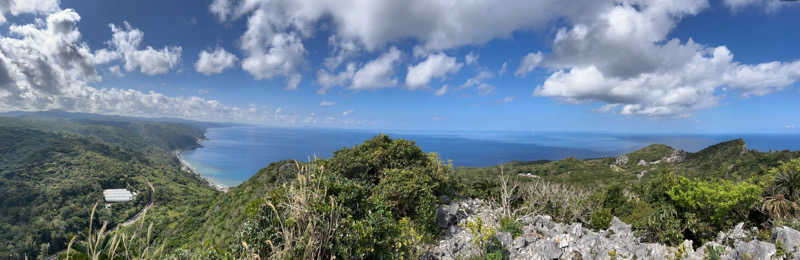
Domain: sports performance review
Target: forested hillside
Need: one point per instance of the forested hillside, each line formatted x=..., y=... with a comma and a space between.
x=53, y=169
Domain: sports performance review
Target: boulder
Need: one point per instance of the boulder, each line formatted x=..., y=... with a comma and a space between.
x=789, y=240
x=754, y=250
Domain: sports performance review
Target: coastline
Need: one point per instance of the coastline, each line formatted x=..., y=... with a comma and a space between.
x=187, y=167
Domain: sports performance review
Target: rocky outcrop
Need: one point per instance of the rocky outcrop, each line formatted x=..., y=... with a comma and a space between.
x=622, y=160
x=677, y=156
x=543, y=238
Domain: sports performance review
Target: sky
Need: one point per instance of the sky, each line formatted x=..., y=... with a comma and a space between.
x=628, y=66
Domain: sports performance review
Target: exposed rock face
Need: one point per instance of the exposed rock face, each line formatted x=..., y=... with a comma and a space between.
x=543, y=238
x=677, y=156
x=621, y=160
x=789, y=239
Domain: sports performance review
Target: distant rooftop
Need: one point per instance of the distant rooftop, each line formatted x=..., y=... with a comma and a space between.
x=117, y=195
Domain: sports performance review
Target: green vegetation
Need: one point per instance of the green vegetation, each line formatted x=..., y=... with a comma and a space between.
x=382, y=204
x=378, y=199
x=50, y=179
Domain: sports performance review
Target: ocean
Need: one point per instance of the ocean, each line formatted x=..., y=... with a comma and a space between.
x=231, y=155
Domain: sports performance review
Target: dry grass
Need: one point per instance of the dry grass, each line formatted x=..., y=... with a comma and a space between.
x=303, y=231
x=117, y=244
x=565, y=203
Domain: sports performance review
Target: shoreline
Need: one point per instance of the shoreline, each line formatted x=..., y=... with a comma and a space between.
x=187, y=167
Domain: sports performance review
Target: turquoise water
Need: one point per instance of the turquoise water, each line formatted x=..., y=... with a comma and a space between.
x=232, y=154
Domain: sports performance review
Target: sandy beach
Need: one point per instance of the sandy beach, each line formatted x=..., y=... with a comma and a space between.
x=186, y=166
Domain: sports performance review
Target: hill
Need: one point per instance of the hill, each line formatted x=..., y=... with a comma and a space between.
x=53, y=169
x=728, y=160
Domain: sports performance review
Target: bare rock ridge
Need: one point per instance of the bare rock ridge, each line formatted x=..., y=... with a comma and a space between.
x=543, y=238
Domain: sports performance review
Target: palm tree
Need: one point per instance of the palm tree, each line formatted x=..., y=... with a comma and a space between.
x=788, y=180
x=778, y=207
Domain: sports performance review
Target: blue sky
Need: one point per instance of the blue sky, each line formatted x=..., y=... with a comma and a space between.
x=637, y=66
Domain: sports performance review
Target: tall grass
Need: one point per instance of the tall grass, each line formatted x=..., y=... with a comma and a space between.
x=121, y=243
x=303, y=231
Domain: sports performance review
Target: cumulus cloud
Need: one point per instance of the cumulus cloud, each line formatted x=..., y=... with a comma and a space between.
x=46, y=66
x=327, y=103
x=341, y=50
x=528, y=63
x=623, y=58
x=125, y=44
x=508, y=99
x=273, y=42
x=116, y=70
x=378, y=73
x=439, y=24
x=38, y=7
x=347, y=113
x=214, y=62
x=375, y=74
x=328, y=80
x=435, y=66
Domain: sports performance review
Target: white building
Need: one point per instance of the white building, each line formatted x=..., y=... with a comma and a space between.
x=118, y=195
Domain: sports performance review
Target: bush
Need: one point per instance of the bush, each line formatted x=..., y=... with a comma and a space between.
x=601, y=219
x=367, y=161
x=510, y=225
x=375, y=200
x=663, y=226
x=720, y=203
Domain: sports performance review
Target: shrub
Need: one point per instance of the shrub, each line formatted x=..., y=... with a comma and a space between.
x=663, y=225
x=601, y=219
x=375, y=200
x=367, y=161
x=510, y=225
x=721, y=203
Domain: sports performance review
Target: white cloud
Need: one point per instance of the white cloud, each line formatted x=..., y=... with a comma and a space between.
x=508, y=99
x=435, y=66
x=471, y=58
x=478, y=78
x=378, y=73
x=375, y=74
x=347, y=113
x=341, y=50
x=790, y=126
x=116, y=70
x=273, y=45
x=46, y=66
x=327, y=103
x=442, y=91
x=38, y=7
x=528, y=64
x=214, y=62
x=770, y=5
x=485, y=89
x=438, y=24
x=503, y=69
x=125, y=42
x=622, y=58
x=328, y=80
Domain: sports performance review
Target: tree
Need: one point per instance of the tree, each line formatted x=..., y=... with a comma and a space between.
x=787, y=178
